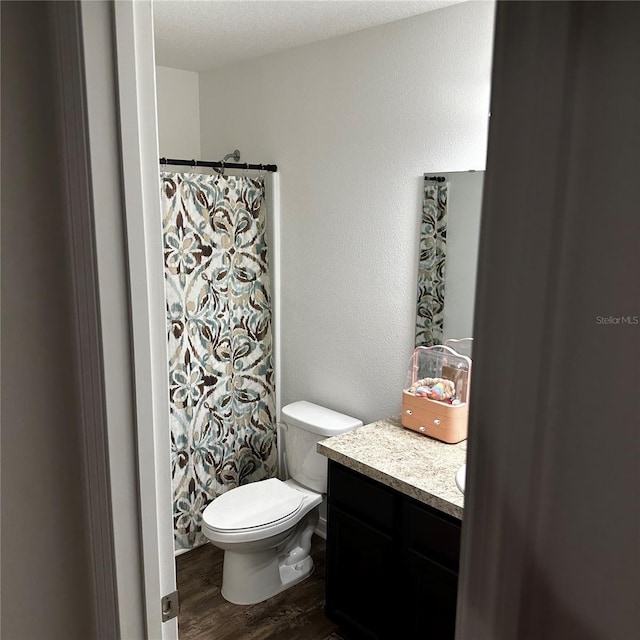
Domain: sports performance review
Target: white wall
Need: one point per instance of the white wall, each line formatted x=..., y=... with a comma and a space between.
x=178, y=113
x=463, y=230
x=353, y=123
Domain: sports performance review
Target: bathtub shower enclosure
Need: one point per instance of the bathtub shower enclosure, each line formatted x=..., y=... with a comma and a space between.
x=220, y=342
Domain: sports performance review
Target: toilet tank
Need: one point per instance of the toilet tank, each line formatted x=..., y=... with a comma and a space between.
x=305, y=424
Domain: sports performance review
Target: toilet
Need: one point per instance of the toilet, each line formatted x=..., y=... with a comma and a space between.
x=265, y=527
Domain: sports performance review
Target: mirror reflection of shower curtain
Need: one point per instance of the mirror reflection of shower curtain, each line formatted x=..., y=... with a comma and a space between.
x=431, y=267
x=221, y=377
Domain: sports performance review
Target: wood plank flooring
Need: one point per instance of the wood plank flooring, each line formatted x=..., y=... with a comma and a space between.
x=295, y=614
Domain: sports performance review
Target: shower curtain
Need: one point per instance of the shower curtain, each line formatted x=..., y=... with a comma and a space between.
x=221, y=378
x=431, y=268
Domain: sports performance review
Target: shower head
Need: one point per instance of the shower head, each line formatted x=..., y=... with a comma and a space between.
x=234, y=154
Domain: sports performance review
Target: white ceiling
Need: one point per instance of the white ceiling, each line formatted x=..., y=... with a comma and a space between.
x=202, y=34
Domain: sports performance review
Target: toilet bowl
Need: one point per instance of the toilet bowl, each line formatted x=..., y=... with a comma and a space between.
x=265, y=528
x=265, y=531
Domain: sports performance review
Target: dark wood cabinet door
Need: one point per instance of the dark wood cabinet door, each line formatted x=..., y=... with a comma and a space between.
x=360, y=576
x=434, y=534
x=430, y=592
x=392, y=562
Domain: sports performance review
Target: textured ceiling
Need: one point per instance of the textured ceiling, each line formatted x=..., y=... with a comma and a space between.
x=201, y=34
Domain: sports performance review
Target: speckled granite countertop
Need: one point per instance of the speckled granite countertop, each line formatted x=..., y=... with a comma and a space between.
x=416, y=465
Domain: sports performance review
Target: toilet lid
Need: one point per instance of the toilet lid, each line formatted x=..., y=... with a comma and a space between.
x=253, y=505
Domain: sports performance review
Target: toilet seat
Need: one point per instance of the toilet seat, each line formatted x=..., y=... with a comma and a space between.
x=256, y=511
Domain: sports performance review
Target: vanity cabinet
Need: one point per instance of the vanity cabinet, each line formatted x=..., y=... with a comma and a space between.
x=392, y=562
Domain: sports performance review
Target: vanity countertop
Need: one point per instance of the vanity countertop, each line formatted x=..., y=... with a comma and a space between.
x=416, y=465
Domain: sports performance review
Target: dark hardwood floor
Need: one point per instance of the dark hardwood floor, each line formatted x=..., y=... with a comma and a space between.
x=295, y=614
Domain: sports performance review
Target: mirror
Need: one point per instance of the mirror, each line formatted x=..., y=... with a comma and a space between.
x=449, y=236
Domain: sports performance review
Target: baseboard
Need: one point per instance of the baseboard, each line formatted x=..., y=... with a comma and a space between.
x=179, y=552
x=321, y=529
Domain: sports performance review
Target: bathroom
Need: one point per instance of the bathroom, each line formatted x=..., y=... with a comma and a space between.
x=353, y=123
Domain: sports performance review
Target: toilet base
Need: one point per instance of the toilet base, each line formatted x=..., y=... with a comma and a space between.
x=252, y=576
x=241, y=587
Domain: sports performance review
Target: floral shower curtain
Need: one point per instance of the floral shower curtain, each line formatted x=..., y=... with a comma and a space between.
x=431, y=269
x=221, y=378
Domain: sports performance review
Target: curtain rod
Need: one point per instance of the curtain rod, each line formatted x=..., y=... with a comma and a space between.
x=219, y=165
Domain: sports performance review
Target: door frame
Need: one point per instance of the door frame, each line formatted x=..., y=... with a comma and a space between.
x=105, y=77
x=141, y=190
